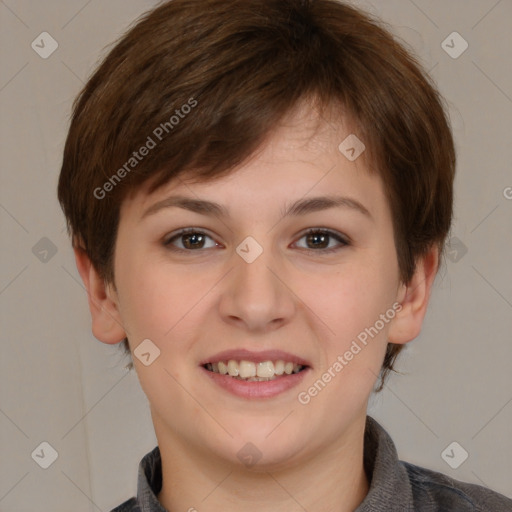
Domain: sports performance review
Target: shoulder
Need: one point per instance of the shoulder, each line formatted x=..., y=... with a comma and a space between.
x=444, y=493
x=128, y=506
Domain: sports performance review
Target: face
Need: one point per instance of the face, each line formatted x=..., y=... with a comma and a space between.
x=273, y=272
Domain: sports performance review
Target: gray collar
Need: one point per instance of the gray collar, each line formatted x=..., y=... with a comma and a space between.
x=390, y=488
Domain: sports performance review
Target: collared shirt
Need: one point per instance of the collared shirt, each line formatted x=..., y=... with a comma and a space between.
x=395, y=486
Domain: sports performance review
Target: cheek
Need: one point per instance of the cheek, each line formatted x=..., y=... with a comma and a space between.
x=153, y=297
x=348, y=305
x=353, y=344
x=156, y=305
x=352, y=295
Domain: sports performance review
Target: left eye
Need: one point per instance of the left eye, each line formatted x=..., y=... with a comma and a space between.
x=319, y=236
x=192, y=239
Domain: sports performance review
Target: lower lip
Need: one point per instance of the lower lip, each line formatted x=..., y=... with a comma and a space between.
x=255, y=390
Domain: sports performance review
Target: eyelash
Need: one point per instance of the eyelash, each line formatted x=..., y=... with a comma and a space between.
x=312, y=231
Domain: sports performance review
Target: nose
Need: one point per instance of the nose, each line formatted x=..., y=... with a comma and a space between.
x=256, y=295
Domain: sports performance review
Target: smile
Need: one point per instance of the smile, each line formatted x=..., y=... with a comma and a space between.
x=249, y=371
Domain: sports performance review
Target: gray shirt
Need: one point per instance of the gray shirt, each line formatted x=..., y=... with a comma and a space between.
x=395, y=486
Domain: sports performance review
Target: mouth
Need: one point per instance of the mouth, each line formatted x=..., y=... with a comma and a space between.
x=249, y=371
x=255, y=375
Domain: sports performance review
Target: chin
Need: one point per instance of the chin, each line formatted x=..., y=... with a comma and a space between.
x=272, y=459
x=270, y=431
x=260, y=451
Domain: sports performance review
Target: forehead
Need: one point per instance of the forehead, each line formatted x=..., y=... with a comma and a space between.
x=302, y=153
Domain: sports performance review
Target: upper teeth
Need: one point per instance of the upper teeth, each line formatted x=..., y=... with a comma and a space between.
x=247, y=369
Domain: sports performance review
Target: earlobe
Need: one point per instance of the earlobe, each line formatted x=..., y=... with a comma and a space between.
x=106, y=320
x=414, y=298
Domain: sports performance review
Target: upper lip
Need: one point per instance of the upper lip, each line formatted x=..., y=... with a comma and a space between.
x=256, y=357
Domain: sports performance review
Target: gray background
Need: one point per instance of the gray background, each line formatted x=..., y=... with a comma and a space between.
x=60, y=385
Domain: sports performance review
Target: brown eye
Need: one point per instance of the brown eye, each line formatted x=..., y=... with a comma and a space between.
x=190, y=240
x=320, y=239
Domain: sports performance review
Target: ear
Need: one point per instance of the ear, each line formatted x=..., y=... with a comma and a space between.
x=106, y=320
x=414, y=298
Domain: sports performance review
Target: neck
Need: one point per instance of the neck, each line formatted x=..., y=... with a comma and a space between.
x=332, y=479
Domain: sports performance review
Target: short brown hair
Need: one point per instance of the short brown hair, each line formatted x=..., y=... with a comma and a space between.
x=242, y=65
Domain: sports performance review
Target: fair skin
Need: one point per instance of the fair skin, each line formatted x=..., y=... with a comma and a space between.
x=313, y=304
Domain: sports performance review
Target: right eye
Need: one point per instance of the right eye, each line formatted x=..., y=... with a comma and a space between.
x=191, y=239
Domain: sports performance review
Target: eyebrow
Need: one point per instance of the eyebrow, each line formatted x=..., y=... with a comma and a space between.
x=298, y=208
